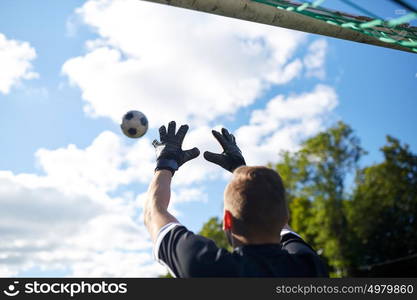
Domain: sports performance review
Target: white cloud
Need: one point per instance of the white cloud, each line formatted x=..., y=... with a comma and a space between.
x=15, y=62
x=284, y=123
x=177, y=64
x=199, y=170
x=315, y=59
x=171, y=64
x=104, y=165
x=66, y=219
x=46, y=227
x=118, y=264
x=179, y=195
x=189, y=194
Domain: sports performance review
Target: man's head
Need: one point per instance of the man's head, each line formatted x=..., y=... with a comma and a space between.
x=255, y=205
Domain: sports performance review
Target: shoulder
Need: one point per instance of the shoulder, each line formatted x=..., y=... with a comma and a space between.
x=186, y=254
x=302, y=254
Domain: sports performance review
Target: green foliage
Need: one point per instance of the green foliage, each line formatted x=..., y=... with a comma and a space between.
x=373, y=222
x=314, y=178
x=301, y=215
x=383, y=210
x=212, y=229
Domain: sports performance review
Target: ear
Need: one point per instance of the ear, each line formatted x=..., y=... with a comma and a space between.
x=227, y=220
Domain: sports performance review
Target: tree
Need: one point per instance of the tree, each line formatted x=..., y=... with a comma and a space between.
x=315, y=179
x=383, y=210
x=212, y=229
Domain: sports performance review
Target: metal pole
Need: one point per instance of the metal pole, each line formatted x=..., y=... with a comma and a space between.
x=256, y=12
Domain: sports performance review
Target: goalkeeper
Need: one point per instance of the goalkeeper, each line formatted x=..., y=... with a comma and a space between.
x=255, y=219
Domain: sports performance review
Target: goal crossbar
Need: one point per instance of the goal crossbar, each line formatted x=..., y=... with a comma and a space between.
x=266, y=14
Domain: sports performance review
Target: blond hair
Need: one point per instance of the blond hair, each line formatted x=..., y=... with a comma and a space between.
x=256, y=199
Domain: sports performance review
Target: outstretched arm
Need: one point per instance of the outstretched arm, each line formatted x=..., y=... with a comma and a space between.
x=156, y=206
x=169, y=157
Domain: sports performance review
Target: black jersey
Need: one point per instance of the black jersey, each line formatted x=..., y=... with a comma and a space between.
x=186, y=254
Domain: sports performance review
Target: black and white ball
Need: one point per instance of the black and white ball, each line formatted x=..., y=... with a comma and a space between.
x=134, y=124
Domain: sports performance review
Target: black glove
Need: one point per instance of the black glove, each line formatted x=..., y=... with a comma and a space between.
x=169, y=155
x=231, y=158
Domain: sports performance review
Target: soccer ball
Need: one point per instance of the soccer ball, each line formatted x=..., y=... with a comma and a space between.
x=134, y=124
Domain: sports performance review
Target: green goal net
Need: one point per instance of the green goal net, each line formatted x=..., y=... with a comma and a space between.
x=395, y=31
x=361, y=25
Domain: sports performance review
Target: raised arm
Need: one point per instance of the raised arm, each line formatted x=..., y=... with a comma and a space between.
x=156, y=206
x=169, y=157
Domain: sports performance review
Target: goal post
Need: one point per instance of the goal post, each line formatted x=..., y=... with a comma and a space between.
x=264, y=12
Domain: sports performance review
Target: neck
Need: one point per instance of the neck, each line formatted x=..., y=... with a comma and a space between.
x=238, y=240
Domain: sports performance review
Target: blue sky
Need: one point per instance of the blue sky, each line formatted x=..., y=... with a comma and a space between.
x=62, y=152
